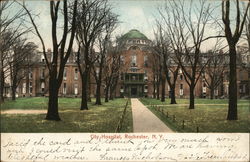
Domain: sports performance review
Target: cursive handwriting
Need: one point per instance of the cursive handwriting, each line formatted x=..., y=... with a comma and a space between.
x=125, y=147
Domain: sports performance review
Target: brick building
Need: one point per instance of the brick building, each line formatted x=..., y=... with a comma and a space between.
x=136, y=79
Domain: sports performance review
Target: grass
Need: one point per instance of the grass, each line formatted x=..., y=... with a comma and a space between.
x=149, y=101
x=208, y=115
x=102, y=118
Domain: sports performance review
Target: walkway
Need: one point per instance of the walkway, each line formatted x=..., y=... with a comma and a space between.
x=14, y=111
x=144, y=120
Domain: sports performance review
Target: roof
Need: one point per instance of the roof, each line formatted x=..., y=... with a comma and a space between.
x=134, y=34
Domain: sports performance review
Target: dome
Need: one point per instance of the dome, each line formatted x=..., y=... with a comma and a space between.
x=134, y=34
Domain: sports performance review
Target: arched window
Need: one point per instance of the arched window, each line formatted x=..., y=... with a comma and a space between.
x=133, y=59
x=134, y=48
x=146, y=61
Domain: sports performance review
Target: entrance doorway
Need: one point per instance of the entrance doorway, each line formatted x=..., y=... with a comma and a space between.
x=133, y=91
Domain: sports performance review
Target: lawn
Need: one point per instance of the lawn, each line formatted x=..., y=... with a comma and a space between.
x=208, y=115
x=102, y=118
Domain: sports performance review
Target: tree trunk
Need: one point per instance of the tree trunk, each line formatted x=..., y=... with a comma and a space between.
x=158, y=90
x=191, y=97
x=98, y=93
x=1, y=85
x=163, y=85
x=13, y=92
x=14, y=83
x=172, y=89
x=111, y=97
x=212, y=92
x=84, y=102
x=232, y=107
x=98, y=86
x=89, y=89
x=52, y=113
x=154, y=95
x=113, y=88
x=107, y=94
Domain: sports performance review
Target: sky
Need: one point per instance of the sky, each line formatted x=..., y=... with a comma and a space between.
x=133, y=14
x=137, y=14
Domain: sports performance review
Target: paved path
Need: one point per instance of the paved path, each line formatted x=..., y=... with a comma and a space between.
x=14, y=111
x=144, y=120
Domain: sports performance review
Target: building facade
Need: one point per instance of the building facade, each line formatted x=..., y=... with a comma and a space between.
x=137, y=77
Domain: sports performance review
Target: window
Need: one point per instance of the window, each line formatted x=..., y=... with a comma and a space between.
x=134, y=48
x=42, y=87
x=181, y=89
x=146, y=61
x=203, y=76
x=42, y=58
x=65, y=74
x=121, y=89
x=76, y=74
x=97, y=72
x=76, y=88
x=226, y=89
x=138, y=41
x=146, y=88
x=42, y=73
x=204, y=89
x=181, y=77
x=133, y=60
x=216, y=92
x=64, y=88
x=30, y=74
x=30, y=88
x=145, y=75
x=122, y=59
x=24, y=88
x=133, y=77
x=242, y=88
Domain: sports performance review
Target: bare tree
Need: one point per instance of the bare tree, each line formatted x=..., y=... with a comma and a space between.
x=247, y=29
x=232, y=40
x=214, y=71
x=92, y=19
x=60, y=53
x=156, y=73
x=186, y=25
x=104, y=44
x=20, y=62
x=112, y=68
x=162, y=48
x=10, y=30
